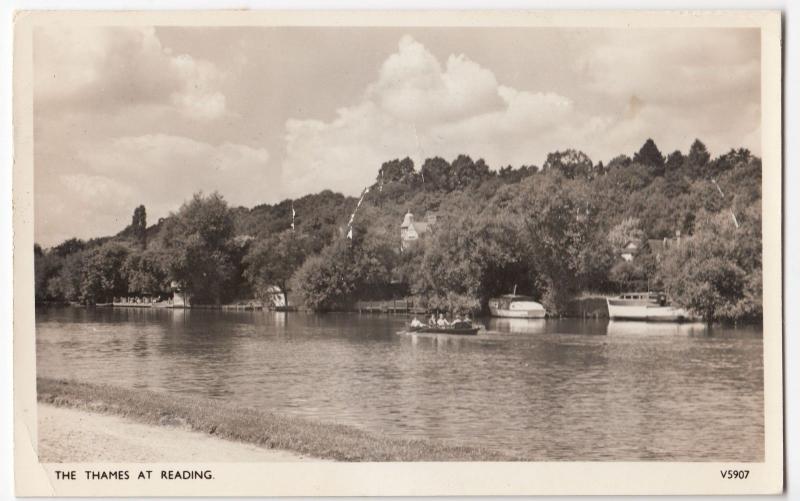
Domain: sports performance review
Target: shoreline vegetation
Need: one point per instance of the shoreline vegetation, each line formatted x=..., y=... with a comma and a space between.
x=264, y=429
x=452, y=235
x=583, y=306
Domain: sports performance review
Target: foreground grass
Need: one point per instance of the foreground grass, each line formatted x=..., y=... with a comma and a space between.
x=325, y=441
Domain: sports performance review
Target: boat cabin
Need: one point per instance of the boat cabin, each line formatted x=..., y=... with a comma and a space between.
x=505, y=302
x=642, y=298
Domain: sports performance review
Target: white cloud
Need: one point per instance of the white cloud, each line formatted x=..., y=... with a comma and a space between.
x=421, y=109
x=412, y=86
x=678, y=68
x=120, y=68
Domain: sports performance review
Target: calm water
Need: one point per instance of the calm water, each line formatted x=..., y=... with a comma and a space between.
x=544, y=390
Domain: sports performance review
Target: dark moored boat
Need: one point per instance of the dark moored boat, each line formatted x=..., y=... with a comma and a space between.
x=461, y=331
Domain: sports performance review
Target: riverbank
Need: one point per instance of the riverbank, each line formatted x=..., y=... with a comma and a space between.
x=69, y=435
x=266, y=430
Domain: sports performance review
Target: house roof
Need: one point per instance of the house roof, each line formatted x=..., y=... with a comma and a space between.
x=407, y=220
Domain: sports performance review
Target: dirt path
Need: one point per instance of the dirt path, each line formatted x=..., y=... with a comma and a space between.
x=70, y=435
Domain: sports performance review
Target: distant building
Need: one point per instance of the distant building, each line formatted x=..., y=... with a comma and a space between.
x=629, y=251
x=275, y=297
x=412, y=230
x=179, y=297
x=657, y=247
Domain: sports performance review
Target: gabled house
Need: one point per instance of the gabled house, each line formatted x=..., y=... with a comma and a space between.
x=629, y=251
x=412, y=230
x=656, y=246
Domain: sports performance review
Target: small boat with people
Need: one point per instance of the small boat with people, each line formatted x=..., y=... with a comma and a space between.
x=646, y=306
x=461, y=331
x=516, y=306
x=459, y=326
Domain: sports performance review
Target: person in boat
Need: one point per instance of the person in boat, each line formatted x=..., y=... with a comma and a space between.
x=416, y=323
x=442, y=322
x=462, y=322
x=432, y=320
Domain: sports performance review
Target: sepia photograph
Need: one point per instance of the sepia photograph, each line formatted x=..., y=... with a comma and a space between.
x=432, y=242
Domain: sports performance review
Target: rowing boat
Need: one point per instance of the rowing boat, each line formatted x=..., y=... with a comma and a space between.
x=460, y=331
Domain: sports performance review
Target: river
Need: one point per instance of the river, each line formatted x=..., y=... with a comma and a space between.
x=576, y=390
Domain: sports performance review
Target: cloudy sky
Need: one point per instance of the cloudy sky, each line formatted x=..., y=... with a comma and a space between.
x=129, y=116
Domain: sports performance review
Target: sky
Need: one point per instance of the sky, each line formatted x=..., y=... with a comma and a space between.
x=125, y=116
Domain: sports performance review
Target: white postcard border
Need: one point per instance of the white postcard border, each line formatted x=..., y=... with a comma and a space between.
x=476, y=478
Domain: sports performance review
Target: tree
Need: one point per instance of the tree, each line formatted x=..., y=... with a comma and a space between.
x=199, y=240
x=650, y=156
x=512, y=175
x=466, y=173
x=435, y=174
x=558, y=231
x=146, y=272
x=619, y=161
x=395, y=171
x=46, y=268
x=273, y=261
x=675, y=162
x=139, y=226
x=68, y=247
x=729, y=160
x=471, y=259
x=344, y=272
x=103, y=277
x=570, y=163
x=66, y=285
x=698, y=155
x=717, y=273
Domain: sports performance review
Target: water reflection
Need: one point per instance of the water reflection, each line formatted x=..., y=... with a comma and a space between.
x=517, y=325
x=543, y=326
x=541, y=389
x=629, y=328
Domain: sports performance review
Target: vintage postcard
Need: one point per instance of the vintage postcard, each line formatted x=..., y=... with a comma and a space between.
x=397, y=253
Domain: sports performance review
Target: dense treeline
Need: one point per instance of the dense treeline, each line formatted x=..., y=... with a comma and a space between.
x=693, y=222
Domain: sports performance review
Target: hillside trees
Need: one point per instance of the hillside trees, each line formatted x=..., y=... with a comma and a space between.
x=553, y=233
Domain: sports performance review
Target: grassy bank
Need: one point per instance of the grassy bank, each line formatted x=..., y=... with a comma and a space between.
x=326, y=441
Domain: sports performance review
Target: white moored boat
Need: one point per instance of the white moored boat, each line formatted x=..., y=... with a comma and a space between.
x=647, y=306
x=514, y=306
